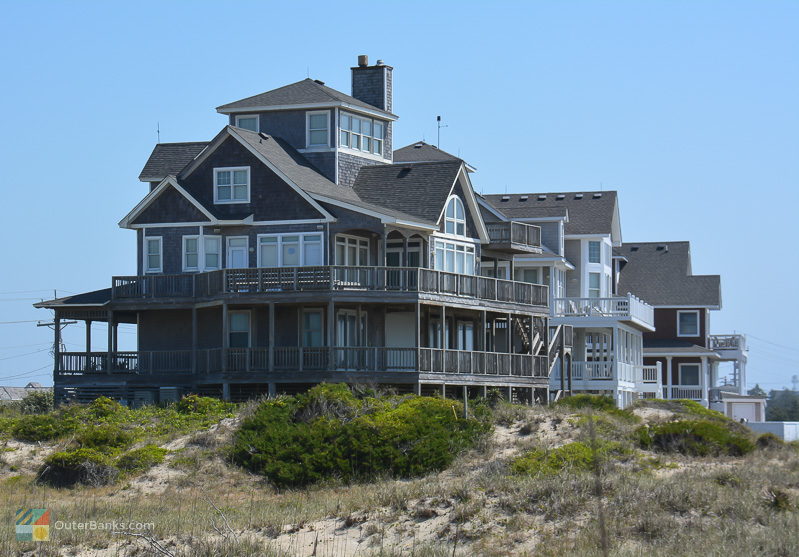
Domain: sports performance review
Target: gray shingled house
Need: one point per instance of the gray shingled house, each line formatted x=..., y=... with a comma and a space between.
x=296, y=246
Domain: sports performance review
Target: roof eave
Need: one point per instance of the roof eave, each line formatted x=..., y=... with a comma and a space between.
x=228, y=109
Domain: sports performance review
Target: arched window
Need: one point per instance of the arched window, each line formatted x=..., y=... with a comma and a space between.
x=455, y=217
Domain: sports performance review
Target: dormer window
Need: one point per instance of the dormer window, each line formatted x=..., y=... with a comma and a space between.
x=455, y=217
x=247, y=122
x=318, y=128
x=361, y=134
x=232, y=184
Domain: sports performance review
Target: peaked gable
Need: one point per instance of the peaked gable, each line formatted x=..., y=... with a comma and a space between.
x=170, y=206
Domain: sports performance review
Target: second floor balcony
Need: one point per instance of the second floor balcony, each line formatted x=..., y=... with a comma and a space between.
x=514, y=237
x=623, y=308
x=733, y=342
x=329, y=278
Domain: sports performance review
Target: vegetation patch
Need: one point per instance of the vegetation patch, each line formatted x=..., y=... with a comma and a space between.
x=695, y=438
x=139, y=460
x=79, y=466
x=575, y=456
x=597, y=403
x=769, y=441
x=41, y=427
x=330, y=432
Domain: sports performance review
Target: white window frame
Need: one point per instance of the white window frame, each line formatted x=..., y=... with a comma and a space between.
x=231, y=169
x=300, y=244
x=443, y=245
x=257, y=121
x=358, y=245
x=199, y=266
x=599, y=246
x=698, y=374
x=205, y=253
x=698, y=325
x=598, y=288
x=308, y=143
x=246, y=250
x=456, y=200
x=146, y=253
x=376, y=144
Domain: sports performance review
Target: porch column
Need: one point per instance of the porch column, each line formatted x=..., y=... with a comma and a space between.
x=418, y=323
x=483, y=319
x=116, y=337
x=225, y=336
x=271, y=348
x=57, y=345
x=668, y=378
x=511, y=269
x=88, y=335
x=226, y=391
x=496, y=267
x=404, y=252
x=703, y=381
x=331, y=325
x=110, y=344
x=194, y=343
x=615, y=363
x=508, y=334
x=443, y=331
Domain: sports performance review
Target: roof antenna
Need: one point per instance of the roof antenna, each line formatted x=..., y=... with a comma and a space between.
x=440, y=125
x=308, y=72
x=158, y=130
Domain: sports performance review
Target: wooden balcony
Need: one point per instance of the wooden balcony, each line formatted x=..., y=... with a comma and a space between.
x=735, y=343
x=274, y=281
x=301, y=359
x=514, y=237
x=627, y=308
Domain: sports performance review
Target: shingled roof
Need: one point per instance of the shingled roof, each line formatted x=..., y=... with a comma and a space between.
x=305, y=92
x=590, y=212
x=424, y=152
x=419, y=189
x=170, y=158
x=660, y=273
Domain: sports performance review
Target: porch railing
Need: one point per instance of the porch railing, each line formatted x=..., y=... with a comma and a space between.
x=271, y=280
x=694, y=393
x=514, y=233
x=727, y=342
x=628, y=306
x=293, y=358
x=592, y=371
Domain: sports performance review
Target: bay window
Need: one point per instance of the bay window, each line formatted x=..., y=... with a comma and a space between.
x=594, y=252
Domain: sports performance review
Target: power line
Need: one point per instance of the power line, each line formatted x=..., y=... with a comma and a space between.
x=27, y=373
x=15, y=322
x=794, y=349
x=28, y=354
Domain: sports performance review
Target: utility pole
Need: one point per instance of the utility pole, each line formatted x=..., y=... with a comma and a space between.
x=57, y=325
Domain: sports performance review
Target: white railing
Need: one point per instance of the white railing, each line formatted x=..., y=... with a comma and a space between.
x=727, y=342
x=649, y=374
x=628, y=306
x=592, y=371
x=693, y=393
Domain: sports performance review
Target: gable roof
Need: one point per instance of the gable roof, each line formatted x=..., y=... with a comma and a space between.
x=166, y=184
x=18, y=393
x=169, y=158
x=424, y=152
x=419, y=189
x=590, y=212
x=660, y=273
x=306, y=93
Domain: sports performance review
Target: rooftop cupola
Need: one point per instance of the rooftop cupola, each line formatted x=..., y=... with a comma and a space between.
x=373, y=84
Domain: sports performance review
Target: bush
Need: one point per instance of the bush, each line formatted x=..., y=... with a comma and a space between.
x=36, y=402
x=41, y=427
x=595, y=402
x=105, y=438
x=574, y=456
x=694, y=438
x=79, y=466
x=104, y=407
x=330, y=433
x=195, y=404
x=139, y=460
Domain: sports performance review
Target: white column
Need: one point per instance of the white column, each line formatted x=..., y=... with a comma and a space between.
x=668, y=377
x=703, y=381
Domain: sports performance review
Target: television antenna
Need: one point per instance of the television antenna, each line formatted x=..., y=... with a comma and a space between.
x=440, y=125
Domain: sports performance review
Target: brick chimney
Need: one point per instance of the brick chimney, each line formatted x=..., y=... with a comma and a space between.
x=373, y=84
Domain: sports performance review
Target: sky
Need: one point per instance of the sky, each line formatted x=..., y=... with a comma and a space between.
x=689, y=109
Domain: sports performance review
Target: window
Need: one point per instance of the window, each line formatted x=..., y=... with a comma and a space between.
x=352, y=251
x=191, y=253
x=318, y=129
x=412, y=251
x=247, y=122
x=687, y=323
x=239, y=332
x=232, y=185
x=689, y=374
x=361, y=134
x=289, y=250
x=213, y=252
x=465, y=332
x=594, y=285
x=152, y=254
x=312, y=328
x=455, y=217
x=527, y=275
x=453, y=257
x=594, y=252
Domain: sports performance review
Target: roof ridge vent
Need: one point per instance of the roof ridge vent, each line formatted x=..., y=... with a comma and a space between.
x=560, y=196
x=505, y=198
x=578, y=196
x=597, y=195
x=524, y=198
x=319, y=81
x=633, y=248
x=542, y=197
x=663, y=247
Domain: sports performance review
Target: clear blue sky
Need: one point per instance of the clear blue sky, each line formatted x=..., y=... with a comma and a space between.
x=689, y=109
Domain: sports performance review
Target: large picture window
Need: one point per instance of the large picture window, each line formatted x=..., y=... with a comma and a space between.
x=352, y=251
x=290, y=250
x=232, y=185
x=454, y=257
x=361, y=134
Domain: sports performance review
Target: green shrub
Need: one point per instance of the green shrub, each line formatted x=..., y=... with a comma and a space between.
x=694, y=438
x=330, y=433
x=41, y=427
x=104, y=407
x=195, y=404
x=595, y=402
x=769, y=441
x=36, y=402
x=141, y=459
x=574, y=456
x=106, y=438
x=79, y=466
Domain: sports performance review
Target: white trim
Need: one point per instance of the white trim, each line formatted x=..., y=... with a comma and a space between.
x=586, y=236
x=146, y=254
x=456, y=200
x=698, y=308
x=698, y=324
x=363, y=154
x=183, y=254
x=358, y=247
x=308, y=129
x=227, y=250
x=698, y=374
x=243, y=222
x=257, y=121
x=300, y=245
x=153, y=195
x=371, y=112
x=232, y=170
x=491, y=209
x=471, y=200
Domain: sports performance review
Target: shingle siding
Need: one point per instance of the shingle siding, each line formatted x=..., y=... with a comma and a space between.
x=349, y=166
x=373, y=85
x=170, y=206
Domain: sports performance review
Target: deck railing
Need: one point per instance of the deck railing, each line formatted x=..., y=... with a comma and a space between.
x=253, y=281
x=628, y=306
x=294, y=358
x=693, y=393
x=727, y=342
x=592, y=371
x=514, y=233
